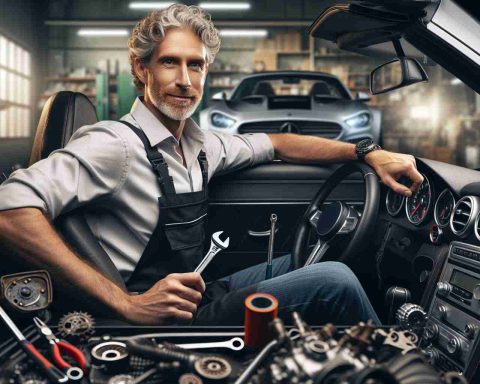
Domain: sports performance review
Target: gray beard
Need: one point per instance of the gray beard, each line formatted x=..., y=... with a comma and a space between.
x=175, y=113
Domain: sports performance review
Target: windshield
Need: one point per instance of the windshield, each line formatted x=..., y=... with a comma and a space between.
x=437, y=120
x=290, y=85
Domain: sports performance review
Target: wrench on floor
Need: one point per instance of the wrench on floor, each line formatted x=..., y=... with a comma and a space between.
x=216, y=245
x=235, y=344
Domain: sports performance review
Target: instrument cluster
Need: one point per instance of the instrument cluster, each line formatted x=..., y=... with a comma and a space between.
x=417, y=208
x=461, y=217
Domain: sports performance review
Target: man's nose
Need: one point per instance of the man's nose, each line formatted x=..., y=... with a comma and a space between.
x=183, y=78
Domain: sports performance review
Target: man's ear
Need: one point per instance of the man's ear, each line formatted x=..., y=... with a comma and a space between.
x=140, y=70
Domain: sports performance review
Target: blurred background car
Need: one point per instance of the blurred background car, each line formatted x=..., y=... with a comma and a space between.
x=310, y=103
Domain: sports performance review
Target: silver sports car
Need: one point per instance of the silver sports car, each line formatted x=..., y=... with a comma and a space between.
x=310, y=103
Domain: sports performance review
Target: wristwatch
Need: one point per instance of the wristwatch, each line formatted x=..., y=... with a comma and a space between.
x=363, y=147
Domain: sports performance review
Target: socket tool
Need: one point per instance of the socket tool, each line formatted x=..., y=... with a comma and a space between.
x=235, y=344
x=273, y=223
x=216, y=245
x=52, y=372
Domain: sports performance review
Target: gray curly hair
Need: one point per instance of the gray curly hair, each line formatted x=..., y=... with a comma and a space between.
x=150, y=30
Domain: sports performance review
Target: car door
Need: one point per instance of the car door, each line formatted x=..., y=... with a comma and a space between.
x=240, y=204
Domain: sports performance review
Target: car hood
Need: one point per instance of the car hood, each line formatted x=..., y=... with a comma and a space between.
x=439, y=29
x=326, y=109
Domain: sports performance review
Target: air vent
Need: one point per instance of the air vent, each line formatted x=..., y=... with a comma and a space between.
x=464, y=213
x=477, y=227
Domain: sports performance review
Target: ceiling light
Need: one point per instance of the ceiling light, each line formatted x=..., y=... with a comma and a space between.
x=150, y=5
x=103, y=32
x=244, y=32
x=224, y=6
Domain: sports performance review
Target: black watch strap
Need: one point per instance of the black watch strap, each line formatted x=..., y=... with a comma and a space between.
x=364, y=147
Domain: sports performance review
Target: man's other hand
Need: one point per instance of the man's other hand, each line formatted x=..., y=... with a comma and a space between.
x=175, y=297
x=390, y=166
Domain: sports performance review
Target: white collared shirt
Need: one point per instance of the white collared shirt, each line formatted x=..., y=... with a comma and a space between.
x=104, y=167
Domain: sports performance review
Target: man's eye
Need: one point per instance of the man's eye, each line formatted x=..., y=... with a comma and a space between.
x=196, y=65
x=167, y=61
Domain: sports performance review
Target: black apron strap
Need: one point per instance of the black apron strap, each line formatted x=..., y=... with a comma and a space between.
x=202, y=159
x=159, y=165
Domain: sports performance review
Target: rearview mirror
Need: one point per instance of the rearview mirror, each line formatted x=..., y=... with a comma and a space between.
x=396, y=74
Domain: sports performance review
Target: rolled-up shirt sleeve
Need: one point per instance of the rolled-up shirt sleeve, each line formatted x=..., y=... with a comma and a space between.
x=93, y=164
x=227, y=152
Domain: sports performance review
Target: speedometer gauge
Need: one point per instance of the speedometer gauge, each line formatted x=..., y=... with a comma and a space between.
x=444, y=208
x=394, y=202
x=418, y=205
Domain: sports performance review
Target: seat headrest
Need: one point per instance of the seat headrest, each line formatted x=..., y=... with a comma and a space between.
x=63, y=113
x=264, y=88
x=319, y=88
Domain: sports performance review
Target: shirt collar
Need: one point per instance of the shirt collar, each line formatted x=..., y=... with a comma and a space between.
x=156, y=132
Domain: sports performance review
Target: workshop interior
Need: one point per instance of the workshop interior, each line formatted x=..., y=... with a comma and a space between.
x=403, y=74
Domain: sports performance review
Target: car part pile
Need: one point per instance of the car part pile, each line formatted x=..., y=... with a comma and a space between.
x=362, y=354
x=70, y=352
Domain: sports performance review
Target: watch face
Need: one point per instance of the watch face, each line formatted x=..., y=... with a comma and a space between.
x=365, y=143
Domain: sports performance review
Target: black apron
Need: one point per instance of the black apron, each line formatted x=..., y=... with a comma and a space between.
x=177, y=244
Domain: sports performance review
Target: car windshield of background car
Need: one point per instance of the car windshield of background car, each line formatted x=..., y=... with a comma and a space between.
x=290, y=86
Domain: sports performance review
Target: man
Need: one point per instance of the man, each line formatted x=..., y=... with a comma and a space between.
x=143, y=182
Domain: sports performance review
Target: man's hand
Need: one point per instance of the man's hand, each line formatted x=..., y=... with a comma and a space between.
x=175, y=297
x=390, y=166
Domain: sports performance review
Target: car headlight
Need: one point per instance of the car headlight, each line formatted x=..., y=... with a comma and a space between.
x=219, y=120
x=359, y=121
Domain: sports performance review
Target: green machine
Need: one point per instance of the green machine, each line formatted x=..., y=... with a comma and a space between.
x=103, y=99
x=114, y=99
x=126, y=93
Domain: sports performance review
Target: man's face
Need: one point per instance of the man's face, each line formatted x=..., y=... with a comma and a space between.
x=175, y=76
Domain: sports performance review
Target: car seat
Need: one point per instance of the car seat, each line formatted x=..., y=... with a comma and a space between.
x=63, y=113
x=320, y=88
x=263, y=88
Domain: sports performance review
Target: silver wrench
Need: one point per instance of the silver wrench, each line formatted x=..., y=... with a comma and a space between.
x=216, y=245
x=235, y=344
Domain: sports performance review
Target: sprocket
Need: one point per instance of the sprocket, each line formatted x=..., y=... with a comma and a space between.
x=76, y=325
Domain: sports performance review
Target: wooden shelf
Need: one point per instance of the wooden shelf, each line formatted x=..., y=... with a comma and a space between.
x=221, y=72
x=337, y=56
x=293, y=53
x=222, y=86
x=71, y=79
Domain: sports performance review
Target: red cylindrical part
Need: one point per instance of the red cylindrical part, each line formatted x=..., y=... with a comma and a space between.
x=260, y=310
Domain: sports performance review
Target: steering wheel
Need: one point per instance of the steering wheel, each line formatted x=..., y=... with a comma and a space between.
x=337, y=220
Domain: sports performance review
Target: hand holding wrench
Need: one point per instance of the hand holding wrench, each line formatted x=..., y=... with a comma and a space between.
x=216, y=245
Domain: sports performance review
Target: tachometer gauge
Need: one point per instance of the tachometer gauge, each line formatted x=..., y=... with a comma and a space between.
x=444, y=208
x=394, y=202
x=418, y=205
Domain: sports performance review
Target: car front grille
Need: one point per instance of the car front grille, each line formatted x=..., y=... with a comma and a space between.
x=304, y=127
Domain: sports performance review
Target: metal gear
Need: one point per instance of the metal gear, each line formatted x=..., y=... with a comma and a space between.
x=213, y=367
x=76, y=324
x=189, y=378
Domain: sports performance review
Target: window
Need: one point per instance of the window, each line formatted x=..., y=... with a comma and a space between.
x=15, y=90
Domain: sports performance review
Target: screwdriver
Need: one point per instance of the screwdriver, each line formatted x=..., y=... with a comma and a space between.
x=52, y=372
x=273, y=221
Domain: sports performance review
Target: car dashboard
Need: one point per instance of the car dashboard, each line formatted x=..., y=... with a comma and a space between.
x=436, y=233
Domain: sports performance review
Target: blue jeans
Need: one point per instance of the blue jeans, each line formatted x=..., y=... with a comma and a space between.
x=321, y=293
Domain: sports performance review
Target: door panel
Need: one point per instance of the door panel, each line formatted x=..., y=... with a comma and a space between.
x=244, y=200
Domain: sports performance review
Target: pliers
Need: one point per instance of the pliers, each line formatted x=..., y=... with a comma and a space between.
x=59, y=347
